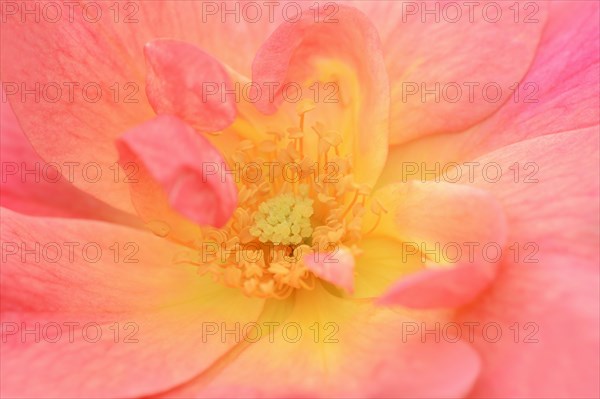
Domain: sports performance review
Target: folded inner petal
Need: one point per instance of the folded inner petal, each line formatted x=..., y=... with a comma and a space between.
x=460, y=233
x=338, y=66
x=179, y=79
x=185, y=166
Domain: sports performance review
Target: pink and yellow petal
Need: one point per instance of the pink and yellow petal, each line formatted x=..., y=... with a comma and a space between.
x=448, y=225
x=382, y=262
x=559, y=93
x=445, y=59
x=32, y=186
x=551, y=204
x=547, y=315
x=547, y=291
x=341, y=349
x=433, y=215
x=126, y=284
x=342, y=59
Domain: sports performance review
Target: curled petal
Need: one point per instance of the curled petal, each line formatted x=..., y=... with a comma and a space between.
x=450, y=225
x=343, y=58
x=449, y=287
x=185, y=166
x=336, y=268
x=431, y=216
x=183, y=80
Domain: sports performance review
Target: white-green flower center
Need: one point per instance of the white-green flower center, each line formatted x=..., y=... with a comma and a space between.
x=285, y=219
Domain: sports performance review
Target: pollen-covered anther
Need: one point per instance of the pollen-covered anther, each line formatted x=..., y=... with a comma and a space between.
x=284, y=220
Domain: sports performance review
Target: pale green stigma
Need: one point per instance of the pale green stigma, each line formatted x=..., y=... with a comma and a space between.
x=285, y=219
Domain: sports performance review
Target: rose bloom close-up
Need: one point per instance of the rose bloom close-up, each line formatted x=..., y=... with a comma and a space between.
x=300, y=199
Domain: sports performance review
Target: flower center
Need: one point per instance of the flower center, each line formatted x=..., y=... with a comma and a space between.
x=296, y=198
x=284, y=219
